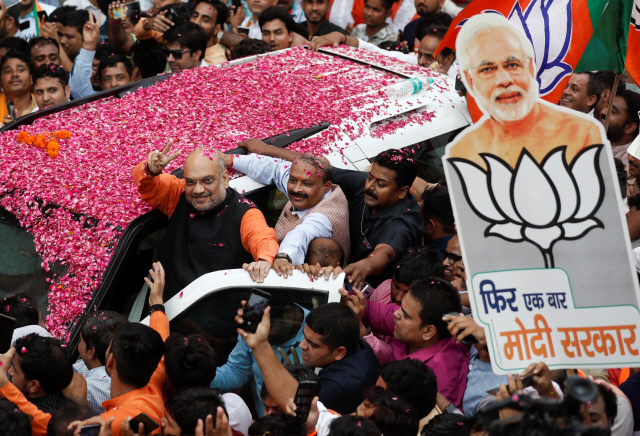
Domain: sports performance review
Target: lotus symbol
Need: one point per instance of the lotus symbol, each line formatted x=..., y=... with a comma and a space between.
x=540, y=203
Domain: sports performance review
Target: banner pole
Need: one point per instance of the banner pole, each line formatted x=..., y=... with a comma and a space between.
x=610, y=108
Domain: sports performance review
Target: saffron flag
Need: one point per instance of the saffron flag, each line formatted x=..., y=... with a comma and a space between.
x=559, y=31
x=632, y=63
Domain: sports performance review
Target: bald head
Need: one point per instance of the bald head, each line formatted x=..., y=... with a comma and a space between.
x=201, y=158
x=325, y=252
x=206, y=179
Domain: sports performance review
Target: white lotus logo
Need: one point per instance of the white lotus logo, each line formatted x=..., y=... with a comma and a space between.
x=538, y=203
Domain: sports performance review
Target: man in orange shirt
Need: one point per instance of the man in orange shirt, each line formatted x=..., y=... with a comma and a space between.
x=211, y=226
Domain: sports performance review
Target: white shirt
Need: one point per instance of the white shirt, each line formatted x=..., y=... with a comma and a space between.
x=98, y=385
x=30, y=32
x=255, y=32
x=239, y=414
x=87, y=6
x=324, y=420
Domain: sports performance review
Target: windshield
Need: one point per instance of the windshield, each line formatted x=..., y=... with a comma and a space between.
x=20, y=265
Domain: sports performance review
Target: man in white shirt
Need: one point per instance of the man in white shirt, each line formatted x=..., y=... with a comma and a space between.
x=98, y=329
x=88, y=5
x=29, y=14
x=256, y=7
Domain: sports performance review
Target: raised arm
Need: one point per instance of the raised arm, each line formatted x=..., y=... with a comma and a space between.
x=117, y=35
x=258, y=147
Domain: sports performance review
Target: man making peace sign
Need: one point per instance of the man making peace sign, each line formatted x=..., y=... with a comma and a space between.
x=211, y=226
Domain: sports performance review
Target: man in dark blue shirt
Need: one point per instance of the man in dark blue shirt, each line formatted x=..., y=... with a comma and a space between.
x=429, y=12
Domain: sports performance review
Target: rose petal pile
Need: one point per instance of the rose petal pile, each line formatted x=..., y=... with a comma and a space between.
x=77, y=205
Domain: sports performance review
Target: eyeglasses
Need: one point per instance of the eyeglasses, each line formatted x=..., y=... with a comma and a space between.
x=177, y=54
x=513, y=66
x=453, y=258
x=206, y=181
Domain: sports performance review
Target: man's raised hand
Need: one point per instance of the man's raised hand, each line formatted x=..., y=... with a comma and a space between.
x=160, y=23
x=156, y=287
x=261, y=336
x=5, y=363
x=91, y=32
x=157, y=160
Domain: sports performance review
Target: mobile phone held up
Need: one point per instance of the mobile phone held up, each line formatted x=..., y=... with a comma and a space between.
x=90, y=430
x=467, y=340
x=7, y=326
x=253, y=310
x=307, y=389
x=149, y=424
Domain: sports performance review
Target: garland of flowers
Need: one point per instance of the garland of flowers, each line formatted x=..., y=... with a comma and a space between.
x=45, y=140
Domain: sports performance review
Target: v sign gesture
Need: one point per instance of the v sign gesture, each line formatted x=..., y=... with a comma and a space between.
x=158, y=160
x=91, y=33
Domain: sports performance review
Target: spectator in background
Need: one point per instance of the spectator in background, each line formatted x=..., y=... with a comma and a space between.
x=8, y=22
x=69, y=26
x=185, y=408
x=88, y=5
x=115, y=71
x=13, y=43
x=50, y=86
x=375, y=28
x=414, y=380
x=317, y=23
x=82, y=74
x=605, y=81
x=102, y=51
x=28, y=17
x=211, y=16
x=159, y=4
x=293, y=8
x=278, y=29
x=12, y=420
x=96, y=334
x=430, y=11
x=353, y=425
x=455, y=273
x=69, y=412
x=249, y=47
x=252, y=21
x=43, y=50
x=16, y=69
x=148, y=60
x=430, y=38
x=581, y=93
x=389, y=411
x=186, y=44
x=24, y=308
x=624, y=124
x=437, y=217
x=277, y=424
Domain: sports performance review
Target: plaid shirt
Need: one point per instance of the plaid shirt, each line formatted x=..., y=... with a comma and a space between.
x=386, y=34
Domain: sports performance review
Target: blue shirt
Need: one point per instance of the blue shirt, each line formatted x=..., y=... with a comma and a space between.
x=479, y=380
x=241, y=365
x=98, y=386
x=80, y=78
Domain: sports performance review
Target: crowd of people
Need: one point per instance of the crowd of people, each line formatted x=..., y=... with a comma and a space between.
x=389, y=358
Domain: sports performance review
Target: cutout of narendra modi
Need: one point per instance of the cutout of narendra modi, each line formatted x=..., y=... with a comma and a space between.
x=498, y=69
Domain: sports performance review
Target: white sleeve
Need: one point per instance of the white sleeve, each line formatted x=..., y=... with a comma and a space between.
x=324, y=420
x=405, y=14
x=296, y=242
x=264, y=169
x=408, y=58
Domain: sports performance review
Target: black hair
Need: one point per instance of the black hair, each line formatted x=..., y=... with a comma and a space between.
x=436, y=204
x=188, y=35
x=177, y=12
x=437, y=30
x=13, y=43
x=400, y=162
x=190, y=361
x=418, y=264
x=299, y=372
x=437, y=297
x=62, y=15
x=44, y=360
x=387, y=4
x=415, y=381
x=222, y=11
x=249, y=47
x=278, y=424
x=42, y=40
x=632, y=99
x=394, y=416
x=337, y=323
x=104, y=50
x=189, y=405
x=78, y=19
x=277, y=13
x=437, y=19
x=604, y=80
x=353, y=425
x=440, y=21
x=17, y=55
x=69, y=412
x=321, y=165
x=14, y=421
x=112, y=61
x=137, y=350
x=14, y=12
x=98, y=330
x=22, y=307
x=147, y=55
x=393, y=46
x=52, y=71
x=621, y=172
x=448, y=424
x=610, y=403
x=327, y=250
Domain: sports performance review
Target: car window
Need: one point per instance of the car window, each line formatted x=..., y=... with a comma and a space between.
x=213, y=315
x=20, y=265
x=428, y=156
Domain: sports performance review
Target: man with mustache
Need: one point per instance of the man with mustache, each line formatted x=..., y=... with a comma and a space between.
x=316, y=208
x=16, y=82
x=384, y=219
x=498, y=67
x=211, y=226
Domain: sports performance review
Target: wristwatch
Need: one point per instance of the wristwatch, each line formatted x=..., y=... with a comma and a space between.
x=284, y=256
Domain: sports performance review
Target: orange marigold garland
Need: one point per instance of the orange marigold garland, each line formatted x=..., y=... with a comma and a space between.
x=45, y=140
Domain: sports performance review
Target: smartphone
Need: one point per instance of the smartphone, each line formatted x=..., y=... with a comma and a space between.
x=256, y=304
x=367, y=290
x=133, y=9
x=467, y=340
x=243, y=30
x=7, y=326
x=12, y=111
x=236, y=3
x=526, y=382
x=43, y=16
x=460, y=86
x=90, y=430
x=149, y=424
x=307, y=389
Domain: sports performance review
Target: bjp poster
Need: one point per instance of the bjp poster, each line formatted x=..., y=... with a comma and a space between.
x=539, y=216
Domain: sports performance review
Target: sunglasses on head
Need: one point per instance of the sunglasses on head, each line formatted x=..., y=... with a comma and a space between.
x=177, y=54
